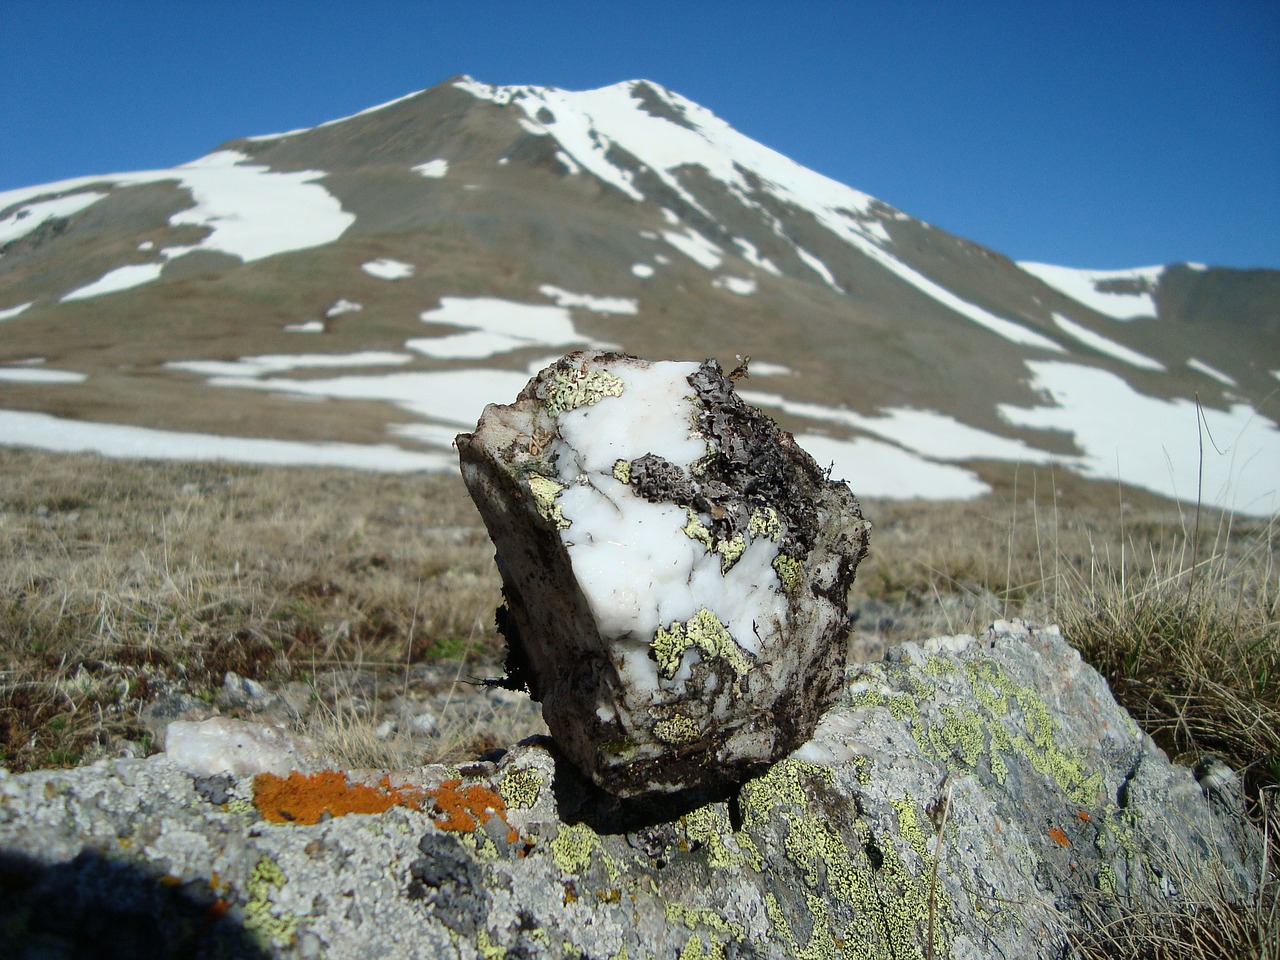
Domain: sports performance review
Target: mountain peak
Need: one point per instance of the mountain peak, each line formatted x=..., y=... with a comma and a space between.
x=445, y=242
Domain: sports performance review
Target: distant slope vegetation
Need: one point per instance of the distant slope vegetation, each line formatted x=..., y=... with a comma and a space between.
x=355, y=292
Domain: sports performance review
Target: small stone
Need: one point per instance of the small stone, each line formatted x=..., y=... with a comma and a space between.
x=222, y=745
x=238, y=691
x=675, y=569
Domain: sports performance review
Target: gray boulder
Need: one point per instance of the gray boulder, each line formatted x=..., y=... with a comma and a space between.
x=675, y=568
x=967, y=797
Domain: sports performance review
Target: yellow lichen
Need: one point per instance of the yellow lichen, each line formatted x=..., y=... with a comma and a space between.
x=730, y=550
x=676, y=730
x=573, y=847
x=887, y=904
x=270, y=930
x=789, y=571
x=696, y=530
x=764, y=522
x=545, y=491
x=622, y=471
x=579, y=387
x=521, y=788
x=703, y=630
x=709, y=827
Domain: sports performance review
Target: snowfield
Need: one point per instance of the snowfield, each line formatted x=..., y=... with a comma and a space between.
x=1082, y=286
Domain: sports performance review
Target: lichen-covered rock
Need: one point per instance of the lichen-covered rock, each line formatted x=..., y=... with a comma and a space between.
x=968, y=798
x=675, y=569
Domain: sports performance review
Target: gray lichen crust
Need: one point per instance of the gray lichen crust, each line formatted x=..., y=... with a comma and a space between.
x=675, y=569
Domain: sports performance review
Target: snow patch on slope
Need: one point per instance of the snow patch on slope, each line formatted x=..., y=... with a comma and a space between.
x=46, y=432
x=1097, y=341
x=250, y=211
x=121, y=278
x=742, y=286
x=384, y=268
x=433, y=169
x=929, y=434
x=878, y=469
x=494, y=326
x=696, y=247
x=27, y=218
x=1157, y=444
x=40, y=375
x=587, y=301
x=269, y=363
x=1083, y=286
x=1201, y=367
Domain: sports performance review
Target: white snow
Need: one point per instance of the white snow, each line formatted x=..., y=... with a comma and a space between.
x=753, y=256
x=27, y=218
x=307, y=326
x=568, y=163
x=342, y=306
x=40, y=375
x=495, y=325
x=1097, y=341
x=929, y=434
x=566, y=298
x=696, y=247
x=449, y=396
x=762, y=368
x=641, y=270
x=269, y=363
x=45, y=432
x=433, y=169
x=1082, y=286
x=877, y=469
x=588, y=124
x=121, y=278
x=742, y=286
x=384, y=268
x=475, y=345
x=1158, y=444
x=250, y=211
x=10, y=312
x=1201, y=367
x=820, y=268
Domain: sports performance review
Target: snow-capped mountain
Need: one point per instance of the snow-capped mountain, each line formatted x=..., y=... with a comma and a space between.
x=355, y=293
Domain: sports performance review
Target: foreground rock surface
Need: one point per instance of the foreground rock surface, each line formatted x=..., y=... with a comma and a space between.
x=675, y=568
x=985, y=795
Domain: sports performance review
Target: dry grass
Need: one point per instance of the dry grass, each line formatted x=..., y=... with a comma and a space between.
x=125, y=581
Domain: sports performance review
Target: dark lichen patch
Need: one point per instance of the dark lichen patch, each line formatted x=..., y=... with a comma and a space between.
x=447, y=879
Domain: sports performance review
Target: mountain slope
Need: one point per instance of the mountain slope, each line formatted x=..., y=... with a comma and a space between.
x=414, y=261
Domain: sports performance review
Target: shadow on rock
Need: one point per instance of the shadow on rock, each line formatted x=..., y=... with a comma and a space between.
x=95, y=908
x=579, y=800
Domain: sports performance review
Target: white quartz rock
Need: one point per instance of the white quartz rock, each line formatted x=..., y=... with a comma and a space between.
x=675, y=569
x=225, y=745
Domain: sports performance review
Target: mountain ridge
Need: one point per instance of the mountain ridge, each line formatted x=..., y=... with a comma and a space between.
x=630, y=192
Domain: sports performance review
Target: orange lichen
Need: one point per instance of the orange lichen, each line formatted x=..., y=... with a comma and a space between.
x=465, y=808
x=1083, y=815
x=1059, y=836
x=307, y=798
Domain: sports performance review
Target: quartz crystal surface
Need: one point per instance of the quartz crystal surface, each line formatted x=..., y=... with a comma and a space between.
x=675, y=569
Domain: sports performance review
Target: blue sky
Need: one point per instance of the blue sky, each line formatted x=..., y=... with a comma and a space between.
x=1102, y=135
